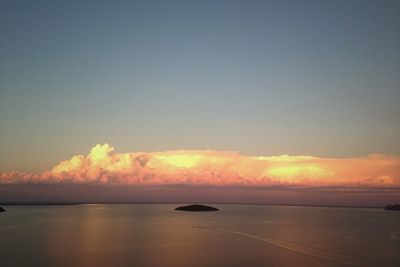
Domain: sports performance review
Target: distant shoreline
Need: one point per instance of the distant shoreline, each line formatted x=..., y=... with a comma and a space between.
x=177, y=203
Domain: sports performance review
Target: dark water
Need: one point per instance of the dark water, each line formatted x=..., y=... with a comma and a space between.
x=238, y=235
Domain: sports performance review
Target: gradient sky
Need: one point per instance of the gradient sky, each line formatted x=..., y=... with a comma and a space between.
x=317, y=78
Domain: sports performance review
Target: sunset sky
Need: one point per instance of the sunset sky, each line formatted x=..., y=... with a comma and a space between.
x=201, y=93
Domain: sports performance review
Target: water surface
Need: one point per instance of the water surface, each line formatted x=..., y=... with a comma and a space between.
x=237, y=235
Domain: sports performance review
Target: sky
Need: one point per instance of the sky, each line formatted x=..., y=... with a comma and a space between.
x=261, y=78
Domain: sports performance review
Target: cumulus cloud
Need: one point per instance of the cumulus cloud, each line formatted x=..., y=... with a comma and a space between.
x=205, y=167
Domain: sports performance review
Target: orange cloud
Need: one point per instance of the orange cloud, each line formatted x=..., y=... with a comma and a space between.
x=103, y=166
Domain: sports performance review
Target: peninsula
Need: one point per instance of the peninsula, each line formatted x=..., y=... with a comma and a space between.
x=392, y=207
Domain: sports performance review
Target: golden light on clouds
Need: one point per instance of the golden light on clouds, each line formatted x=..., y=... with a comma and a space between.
x=103, y=166
x=180, y=161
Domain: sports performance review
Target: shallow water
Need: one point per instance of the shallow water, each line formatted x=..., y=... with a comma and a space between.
x=237, y=235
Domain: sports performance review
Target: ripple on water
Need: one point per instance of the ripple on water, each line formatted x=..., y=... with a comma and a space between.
x=395, y=235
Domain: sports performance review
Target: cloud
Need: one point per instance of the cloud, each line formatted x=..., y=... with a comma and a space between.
x=205, y=167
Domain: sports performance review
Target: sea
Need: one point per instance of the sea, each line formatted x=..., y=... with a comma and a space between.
x=237, y=235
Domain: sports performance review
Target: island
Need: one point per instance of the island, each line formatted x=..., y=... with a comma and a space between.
x=392, y=207
x=196, y=207
x=2, y=210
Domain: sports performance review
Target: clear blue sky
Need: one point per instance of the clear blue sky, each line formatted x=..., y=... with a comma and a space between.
x=260, y=77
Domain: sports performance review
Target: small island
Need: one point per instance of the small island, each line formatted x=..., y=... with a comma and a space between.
x=2, y=210
x=392, y=207
x=196, y=207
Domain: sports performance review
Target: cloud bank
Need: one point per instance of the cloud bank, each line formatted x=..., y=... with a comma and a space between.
x=205, y=167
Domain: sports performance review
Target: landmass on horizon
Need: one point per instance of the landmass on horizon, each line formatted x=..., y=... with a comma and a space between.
x=392, y=207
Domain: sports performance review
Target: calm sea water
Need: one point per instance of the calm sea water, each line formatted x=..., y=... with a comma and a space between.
x=238, y=235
